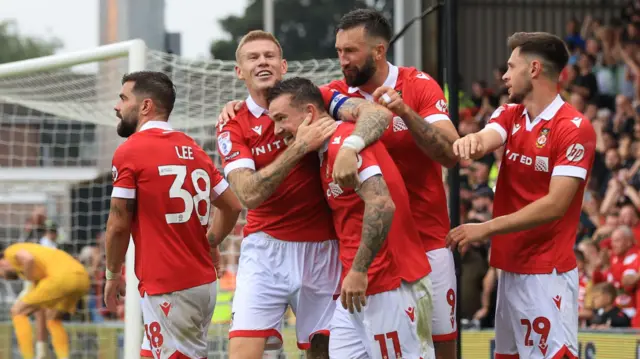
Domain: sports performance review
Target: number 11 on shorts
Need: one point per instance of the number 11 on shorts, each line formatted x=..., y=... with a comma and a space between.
x=382, y=341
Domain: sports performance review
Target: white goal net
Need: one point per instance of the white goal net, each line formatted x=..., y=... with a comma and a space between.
x=57, y=137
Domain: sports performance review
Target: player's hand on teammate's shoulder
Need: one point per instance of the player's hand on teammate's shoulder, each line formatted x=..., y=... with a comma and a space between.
x=312, y=135
x=466, y=234
x=389, y=98
x=114, y=290
x=229, y=112
x=345, y=168
x=353, y=291
x=468, y=146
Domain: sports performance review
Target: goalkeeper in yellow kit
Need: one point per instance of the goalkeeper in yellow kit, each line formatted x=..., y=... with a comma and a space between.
x=60, y=281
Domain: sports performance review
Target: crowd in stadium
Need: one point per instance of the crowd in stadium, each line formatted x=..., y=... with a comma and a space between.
x=602, y=80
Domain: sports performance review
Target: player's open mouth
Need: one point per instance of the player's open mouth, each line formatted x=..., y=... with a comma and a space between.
x=263, y=74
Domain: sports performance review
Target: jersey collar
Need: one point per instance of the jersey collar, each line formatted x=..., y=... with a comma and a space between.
x=255, y=109
x=163, y=125
x=549, y=112
x=391, y=81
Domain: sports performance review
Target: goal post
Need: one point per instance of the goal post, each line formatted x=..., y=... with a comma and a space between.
x=57, y=139
x=134, y=51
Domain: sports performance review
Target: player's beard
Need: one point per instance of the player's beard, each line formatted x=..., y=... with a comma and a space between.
x=518, y=97
x=127, y=125
x=361, y=76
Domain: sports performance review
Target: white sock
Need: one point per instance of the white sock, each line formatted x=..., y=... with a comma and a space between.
x=41, y=350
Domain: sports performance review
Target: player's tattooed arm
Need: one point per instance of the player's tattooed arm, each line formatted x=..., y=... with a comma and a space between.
x=435, y=141
x=371, y=119
x=378, y=215
x=254, y=187
x=121, y=214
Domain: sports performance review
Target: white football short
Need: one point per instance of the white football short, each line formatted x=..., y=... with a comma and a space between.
x=537, y=315
x=273, y=274
x=393, y=324
x=445, y=294
x=176, y=324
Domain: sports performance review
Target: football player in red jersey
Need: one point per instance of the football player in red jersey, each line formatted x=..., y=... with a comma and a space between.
x=289, y=254
x=164, y=187
x=549, y=151
x=419, y=142
x=385, y=286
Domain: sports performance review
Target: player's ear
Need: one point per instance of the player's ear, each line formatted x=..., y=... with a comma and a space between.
x=239, y=72
x=380, y=50
x=284, y=66
x=535, y=68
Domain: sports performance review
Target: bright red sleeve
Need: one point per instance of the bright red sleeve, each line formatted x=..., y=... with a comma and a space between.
x=123, y=172
x=233, y=148
x=426, y=98
x=501, y=121
x=368, y=165
x=575, y=149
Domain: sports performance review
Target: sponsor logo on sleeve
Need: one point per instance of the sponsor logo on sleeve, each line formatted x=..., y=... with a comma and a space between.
x=114, y=173
x=224, y=143
x=441, y=105
x=575, y=152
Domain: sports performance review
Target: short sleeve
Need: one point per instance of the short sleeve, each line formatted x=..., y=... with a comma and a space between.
x=500, y=121
x=368, y=165
x=427, y=99
x=123, y=172
x=333, y=100
x=575, y=149
x=233, y=148
x=218, y=183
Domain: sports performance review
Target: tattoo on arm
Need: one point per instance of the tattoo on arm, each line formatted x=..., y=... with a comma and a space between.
x=378, y=215
x=371, y=119
x=123, y=212
x=254, y=187
x=430, y=139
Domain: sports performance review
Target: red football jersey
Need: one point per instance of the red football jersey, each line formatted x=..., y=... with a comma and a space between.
x=173, y=181
x=401, y=256
x=296, y=211
x=559, y=142
x=424, y=181
x=620, y=266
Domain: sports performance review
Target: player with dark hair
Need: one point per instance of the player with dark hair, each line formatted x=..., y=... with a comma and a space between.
x=549, y=151
x=419, y=142
x=165, y=188
x=289, y=232
x=385, y=291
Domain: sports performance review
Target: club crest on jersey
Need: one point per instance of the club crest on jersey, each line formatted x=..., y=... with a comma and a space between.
x=542, y=138
x=114, y=173
x=224, y=143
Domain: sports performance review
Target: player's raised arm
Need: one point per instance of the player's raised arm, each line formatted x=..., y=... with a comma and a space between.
x=371, y=119
x=433, y=135
x=254, y=187
x=477, y=145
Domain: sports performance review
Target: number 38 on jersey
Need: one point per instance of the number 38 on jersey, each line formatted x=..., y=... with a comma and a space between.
x=202, y=187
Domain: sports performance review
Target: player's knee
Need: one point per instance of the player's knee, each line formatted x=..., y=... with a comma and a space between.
x=319, y=348
x=446, y=349
x=52, y=314
x=246, y=348
x=20, y=308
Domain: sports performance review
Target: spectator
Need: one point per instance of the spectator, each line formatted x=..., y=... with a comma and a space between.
x=605, y=314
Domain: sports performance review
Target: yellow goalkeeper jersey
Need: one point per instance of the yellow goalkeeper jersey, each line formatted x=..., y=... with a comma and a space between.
x=48, y=262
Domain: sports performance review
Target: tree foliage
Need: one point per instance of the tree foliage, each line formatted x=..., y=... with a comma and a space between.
x=16, y=47
x=305, y=28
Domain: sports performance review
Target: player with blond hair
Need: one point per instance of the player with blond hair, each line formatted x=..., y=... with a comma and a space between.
x=60, y=281
x=289, y=255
